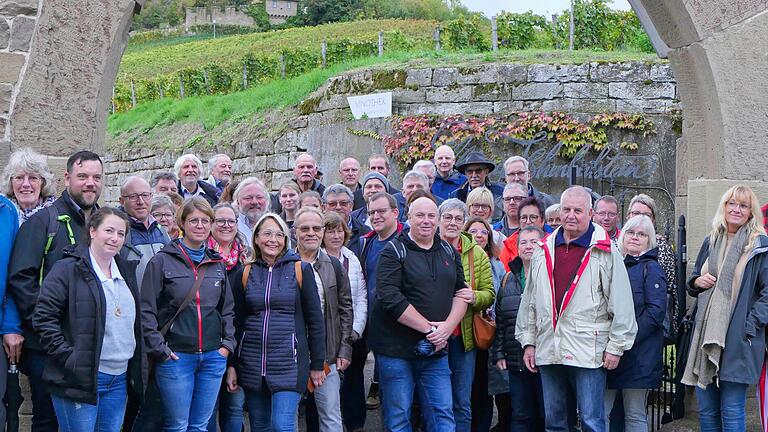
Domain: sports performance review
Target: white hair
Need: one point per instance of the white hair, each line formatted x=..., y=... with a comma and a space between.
x=425, y=163
x=183, y=158
x=513, y=159
x=643, y=222
x=29, y=161
x=578, y=190
x=248, y=181
x=552, y=210
x=510, y=186
x=212, y=161
x=417, y=175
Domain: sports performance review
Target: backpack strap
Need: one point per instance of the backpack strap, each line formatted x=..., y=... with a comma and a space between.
x=399, y=250
x=297, y=266
x=505, y=279
x=246, y=273
x=472, y=268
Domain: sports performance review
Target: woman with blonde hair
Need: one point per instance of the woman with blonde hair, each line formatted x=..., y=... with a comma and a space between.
x=730, y=283
x=480, y=204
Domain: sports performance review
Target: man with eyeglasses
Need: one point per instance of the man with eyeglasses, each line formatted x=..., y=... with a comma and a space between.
x=477, y=168
x=607, y=216
x=145, y=238
x=338, y=198
x=383, y=214
x=517, y=170
x=513, y=195
x=252, y=201
x=373, y=183
x=530, y=214
x=447, y=179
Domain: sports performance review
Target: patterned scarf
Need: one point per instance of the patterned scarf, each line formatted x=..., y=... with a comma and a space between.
x=235, y=255
x=25, y=214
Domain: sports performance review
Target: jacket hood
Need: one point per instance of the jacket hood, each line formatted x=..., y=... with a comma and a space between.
x=410, y=244
x=516, y=265
x=649, y=255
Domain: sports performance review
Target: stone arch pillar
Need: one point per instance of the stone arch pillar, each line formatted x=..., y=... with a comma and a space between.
x=58, y=63
x=718, y=54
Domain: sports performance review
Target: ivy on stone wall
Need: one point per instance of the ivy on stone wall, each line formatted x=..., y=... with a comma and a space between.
x=416, y=137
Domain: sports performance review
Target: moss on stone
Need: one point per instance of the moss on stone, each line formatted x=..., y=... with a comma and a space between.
x=483, y=89
x=309, y=105
x=387, y=80
x=468, y=70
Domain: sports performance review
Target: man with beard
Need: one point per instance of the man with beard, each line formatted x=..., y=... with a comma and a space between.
x=189, y=170
x=220, y=167
x=44, y=236
x=252, y=201
x=476, y=167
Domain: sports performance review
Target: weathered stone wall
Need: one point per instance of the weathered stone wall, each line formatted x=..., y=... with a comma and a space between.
x=324, y=126
x=229, y=15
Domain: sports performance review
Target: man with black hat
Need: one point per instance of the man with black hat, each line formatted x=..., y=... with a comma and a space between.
x=373, y=182
x=476, y=168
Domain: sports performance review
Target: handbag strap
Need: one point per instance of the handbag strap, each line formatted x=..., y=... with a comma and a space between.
x=186, y=302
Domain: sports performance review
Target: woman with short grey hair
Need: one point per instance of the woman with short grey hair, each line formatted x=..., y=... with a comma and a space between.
x=28, y=183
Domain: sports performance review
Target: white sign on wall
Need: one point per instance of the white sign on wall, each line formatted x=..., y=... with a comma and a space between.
x=372, y=105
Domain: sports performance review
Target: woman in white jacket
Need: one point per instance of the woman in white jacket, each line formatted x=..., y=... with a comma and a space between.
x=337, y=234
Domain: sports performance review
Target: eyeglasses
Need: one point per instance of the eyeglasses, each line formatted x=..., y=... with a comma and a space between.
x=268, y=235
x=33, y=179
x=199, y=221
x=516, y=174
x=634, y=213
x=307, y=228
x=160, y=216
x=135, y=197
x=480, y=207
x=481, y=232
x=334, y=204
x=529, y=218
x=451, y=218
x=508, y=200
x=638, y=234
x=473, y=171
x=380, y=212
x=221, y=223
x=733, y=205
x=607, y=214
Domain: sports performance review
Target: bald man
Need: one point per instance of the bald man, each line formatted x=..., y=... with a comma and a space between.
x=447, y=179
x=349, y=170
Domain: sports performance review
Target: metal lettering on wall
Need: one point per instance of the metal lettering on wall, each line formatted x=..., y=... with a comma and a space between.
x=607, y=164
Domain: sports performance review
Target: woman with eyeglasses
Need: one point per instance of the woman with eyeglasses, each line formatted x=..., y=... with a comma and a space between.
x=480, y=204
x=229, y=243
x=280, y=329
x=188, y=319
x=640, y=368
x=730, y=283
x=28, y=183
x=489, y=383
x=478, y=294
x=164, y=212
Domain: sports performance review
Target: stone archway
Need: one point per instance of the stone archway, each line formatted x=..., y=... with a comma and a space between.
x=58, y=62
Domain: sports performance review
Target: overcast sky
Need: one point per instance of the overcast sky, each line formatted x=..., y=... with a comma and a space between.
x=540, y=7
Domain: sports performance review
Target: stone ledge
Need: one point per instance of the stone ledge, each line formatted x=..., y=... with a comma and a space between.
x=642, y=90
x=18, y=7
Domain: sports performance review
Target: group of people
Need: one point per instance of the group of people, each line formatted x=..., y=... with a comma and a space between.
x=199, y=299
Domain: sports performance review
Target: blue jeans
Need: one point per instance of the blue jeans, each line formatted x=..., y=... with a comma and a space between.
x=43, y=414
x=229, y=408
x=722, y=409
x=430, y=377
x=189, y=387
x=589, y=387
x=272, y=412
x=527, y=403
x=105, y=416
x=462, y=365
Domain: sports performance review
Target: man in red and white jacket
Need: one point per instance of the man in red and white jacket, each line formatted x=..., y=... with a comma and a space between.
x=576, y=316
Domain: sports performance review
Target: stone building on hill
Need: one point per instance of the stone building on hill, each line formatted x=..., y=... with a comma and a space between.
x=278, y=11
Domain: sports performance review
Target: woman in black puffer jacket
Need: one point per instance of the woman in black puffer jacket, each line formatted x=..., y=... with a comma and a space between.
x=191, y=344
x=88, y=324
x=280, y=329
x=525, y=387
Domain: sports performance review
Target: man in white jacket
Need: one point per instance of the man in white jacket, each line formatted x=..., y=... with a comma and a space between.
x=576, y=316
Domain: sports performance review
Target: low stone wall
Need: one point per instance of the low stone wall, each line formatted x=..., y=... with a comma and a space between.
x=323, y=125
